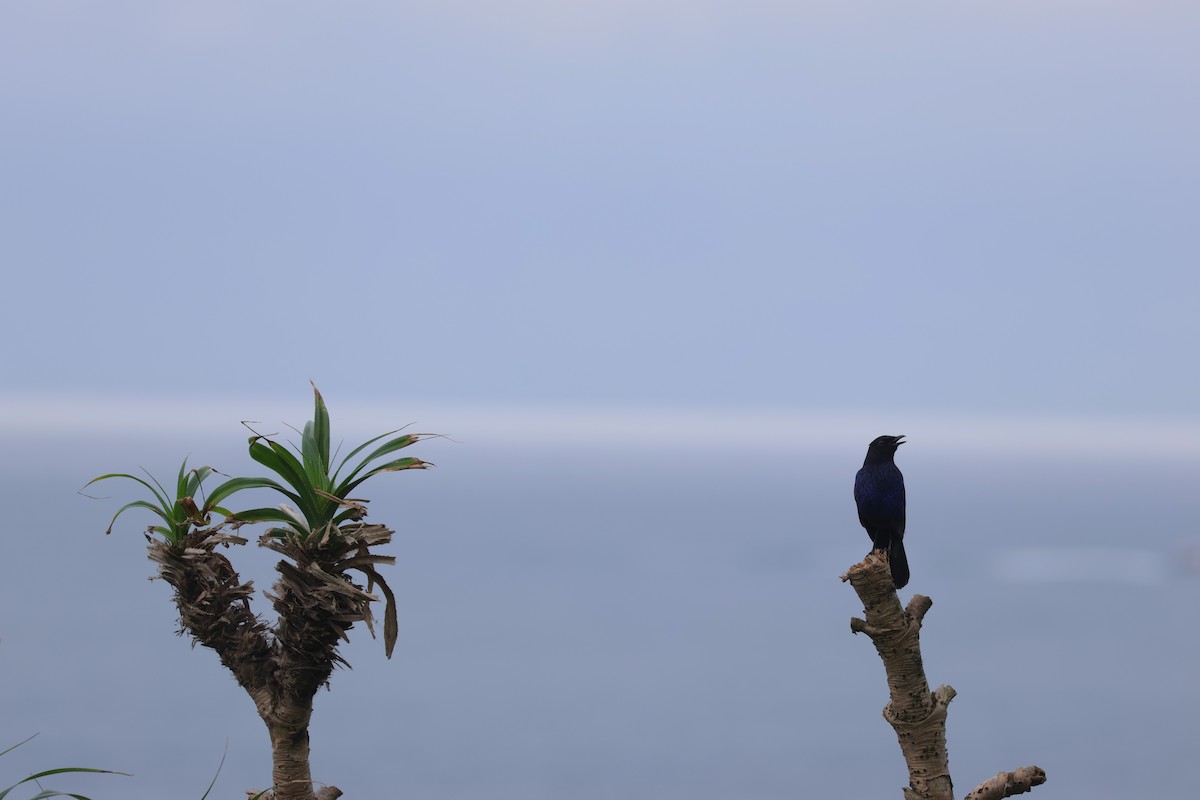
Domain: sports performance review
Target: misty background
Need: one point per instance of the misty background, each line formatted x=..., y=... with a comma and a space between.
x=661, y=270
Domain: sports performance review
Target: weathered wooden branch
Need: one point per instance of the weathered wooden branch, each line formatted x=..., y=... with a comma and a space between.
x=916, y=714
x=1006, y=784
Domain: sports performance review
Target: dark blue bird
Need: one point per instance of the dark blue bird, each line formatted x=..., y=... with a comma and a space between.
x=879, y=493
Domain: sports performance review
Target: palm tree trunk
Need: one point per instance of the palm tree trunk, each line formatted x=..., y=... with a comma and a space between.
x=283, y=666
x=213, y=607
x=290, y=773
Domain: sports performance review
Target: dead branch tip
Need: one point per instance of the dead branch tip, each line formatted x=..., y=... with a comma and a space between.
x=1006, y=784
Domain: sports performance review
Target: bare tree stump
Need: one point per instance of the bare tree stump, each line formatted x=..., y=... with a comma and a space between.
x=916, y=714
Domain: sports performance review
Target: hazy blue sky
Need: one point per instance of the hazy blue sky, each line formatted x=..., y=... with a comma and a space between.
x=683, y=232
x=984, y=207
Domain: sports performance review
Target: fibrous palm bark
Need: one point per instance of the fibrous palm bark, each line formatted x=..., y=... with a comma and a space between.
x=281, y=667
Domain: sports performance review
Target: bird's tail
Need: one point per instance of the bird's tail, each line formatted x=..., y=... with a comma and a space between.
x=898, y=561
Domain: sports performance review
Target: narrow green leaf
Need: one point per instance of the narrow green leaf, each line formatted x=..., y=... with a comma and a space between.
x=316, y=509
x=391, y=466
x=348, y=515
x=196, y=479
x=399, y=443
x=283, y=462
x=306, y=483
x=9, y=749
x=162, y=490
x=359, y=449
x=160, y=496
x=259, y=515
x=181, y=482
x=310, y=451
x=219, y=766
x=286, y=467
x=179, y=513
x=62, y=770
x=234, y=485
x=46, y=793
x=138, y=504
x=267, y=515
x=321, y=428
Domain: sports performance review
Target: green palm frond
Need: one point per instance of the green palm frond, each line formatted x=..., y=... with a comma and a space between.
x=181, y=514
x=312, y=483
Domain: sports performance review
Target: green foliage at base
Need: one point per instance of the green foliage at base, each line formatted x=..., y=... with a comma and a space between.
x=45, y=793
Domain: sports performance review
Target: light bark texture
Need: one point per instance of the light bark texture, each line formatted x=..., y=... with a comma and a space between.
x=917, y=714
x=1006, y=784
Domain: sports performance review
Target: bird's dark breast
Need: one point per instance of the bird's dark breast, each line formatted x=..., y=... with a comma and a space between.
x=879, y=494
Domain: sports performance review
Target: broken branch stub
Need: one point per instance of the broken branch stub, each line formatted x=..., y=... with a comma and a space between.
x=917, y=715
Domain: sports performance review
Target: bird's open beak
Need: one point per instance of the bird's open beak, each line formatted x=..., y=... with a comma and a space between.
x=900, y=440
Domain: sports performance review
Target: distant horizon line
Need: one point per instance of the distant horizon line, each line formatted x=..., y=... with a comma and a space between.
x=715, y=429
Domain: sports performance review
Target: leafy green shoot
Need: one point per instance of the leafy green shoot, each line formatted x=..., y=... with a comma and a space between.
x=47, y=793
x=317, y=489
x=180, y=514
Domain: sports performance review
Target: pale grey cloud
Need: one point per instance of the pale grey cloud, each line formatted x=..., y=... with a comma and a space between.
x=193, y=422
